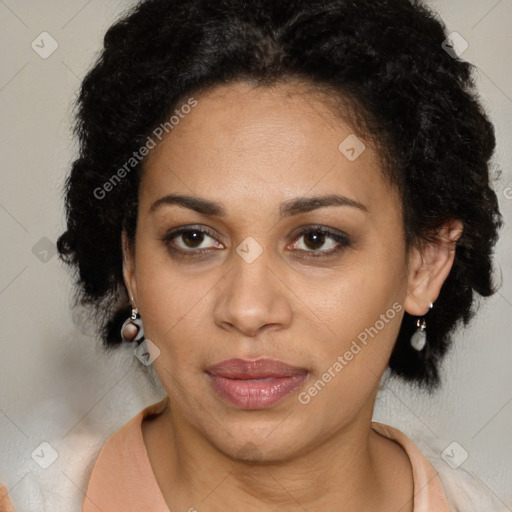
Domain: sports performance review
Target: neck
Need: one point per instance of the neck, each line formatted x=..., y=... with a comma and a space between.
x=348, y=470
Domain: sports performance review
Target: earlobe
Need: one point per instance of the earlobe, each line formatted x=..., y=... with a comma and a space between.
x=429, y=266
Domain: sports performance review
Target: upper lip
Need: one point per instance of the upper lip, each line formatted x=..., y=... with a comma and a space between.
x=244, y=369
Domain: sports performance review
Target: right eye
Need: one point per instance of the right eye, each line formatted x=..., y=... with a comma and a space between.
x=191, y=240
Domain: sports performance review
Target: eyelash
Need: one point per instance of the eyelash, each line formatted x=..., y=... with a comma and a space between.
x=342, y=239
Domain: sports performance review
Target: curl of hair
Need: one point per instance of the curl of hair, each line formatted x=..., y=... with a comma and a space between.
x=385, y=57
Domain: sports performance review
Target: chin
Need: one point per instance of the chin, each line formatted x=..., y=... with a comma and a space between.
x=263, y=443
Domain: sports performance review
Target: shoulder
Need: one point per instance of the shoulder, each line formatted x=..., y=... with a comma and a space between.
x=427, y=487
x=466, y=492
x=458, y=488
x=5, y=502
x=128, y=441
x=463, y=490
x=122, y=466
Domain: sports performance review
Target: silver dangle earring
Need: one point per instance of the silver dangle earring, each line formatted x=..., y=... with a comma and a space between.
x=132, y=329
x=419, y=338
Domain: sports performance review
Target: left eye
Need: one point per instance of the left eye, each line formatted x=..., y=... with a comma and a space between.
x=315, y=239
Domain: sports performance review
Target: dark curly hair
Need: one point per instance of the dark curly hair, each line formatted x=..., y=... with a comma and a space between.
x=384, y=57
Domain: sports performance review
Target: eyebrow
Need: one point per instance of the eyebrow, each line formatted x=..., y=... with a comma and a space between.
x=287, y=208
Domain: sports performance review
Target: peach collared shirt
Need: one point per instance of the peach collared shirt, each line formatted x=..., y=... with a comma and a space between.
x=5, y=502
x=122, y=479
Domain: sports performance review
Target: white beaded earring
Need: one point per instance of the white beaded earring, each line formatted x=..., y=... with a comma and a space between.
x=132, y=329
x=419, y=338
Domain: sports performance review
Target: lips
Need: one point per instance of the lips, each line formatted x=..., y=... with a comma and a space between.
x=254, y=384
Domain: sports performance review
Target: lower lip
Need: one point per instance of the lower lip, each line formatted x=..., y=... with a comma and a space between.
x=255, y=393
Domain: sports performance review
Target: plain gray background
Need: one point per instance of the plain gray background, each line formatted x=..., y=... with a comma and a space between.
x=56, y=384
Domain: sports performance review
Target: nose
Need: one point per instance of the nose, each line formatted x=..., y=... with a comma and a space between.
x=253, y=297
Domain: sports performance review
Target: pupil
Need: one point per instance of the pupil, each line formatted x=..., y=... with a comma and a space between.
x=194, y=237
x=316, y=239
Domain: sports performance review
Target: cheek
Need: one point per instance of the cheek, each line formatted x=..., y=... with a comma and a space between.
x=361, y=313
x=349, y=363
x=356, y=298
x=173, y=305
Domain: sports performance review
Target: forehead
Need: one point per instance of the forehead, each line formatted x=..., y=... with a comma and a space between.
x=251, y=144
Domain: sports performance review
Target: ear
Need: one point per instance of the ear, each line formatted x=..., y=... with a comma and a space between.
x=130, y=280
x=429, y=267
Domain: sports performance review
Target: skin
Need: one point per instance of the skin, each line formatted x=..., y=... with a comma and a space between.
x=251, y=149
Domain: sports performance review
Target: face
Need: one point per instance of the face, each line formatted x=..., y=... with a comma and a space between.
x=305, y=295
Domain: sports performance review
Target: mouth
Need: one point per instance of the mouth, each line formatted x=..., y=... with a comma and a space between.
x=254, y=384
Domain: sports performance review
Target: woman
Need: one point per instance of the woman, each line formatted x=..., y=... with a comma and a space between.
x=277, y=202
